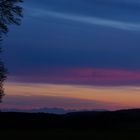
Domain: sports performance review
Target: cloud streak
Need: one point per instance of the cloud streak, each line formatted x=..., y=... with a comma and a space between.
x=98, y=21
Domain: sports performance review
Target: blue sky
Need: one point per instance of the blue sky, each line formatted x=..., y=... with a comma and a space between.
x=82, y=34
x=74, y=54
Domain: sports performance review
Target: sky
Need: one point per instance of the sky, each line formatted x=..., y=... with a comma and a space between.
x=74, y=54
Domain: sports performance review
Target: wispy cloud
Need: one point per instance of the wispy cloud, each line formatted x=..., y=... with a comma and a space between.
x=117, y=24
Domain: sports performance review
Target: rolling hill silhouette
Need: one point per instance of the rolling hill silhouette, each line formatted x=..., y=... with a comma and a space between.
x=92, y=120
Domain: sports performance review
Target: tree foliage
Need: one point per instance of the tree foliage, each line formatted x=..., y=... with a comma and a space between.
x=10, y=13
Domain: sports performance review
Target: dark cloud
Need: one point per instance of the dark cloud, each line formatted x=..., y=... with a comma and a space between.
x=29, y=102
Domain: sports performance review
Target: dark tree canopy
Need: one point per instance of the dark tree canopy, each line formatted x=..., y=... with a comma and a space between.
x=10, y=13
x=2, y=79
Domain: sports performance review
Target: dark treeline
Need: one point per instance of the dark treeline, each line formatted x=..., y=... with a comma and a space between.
x=117, y=120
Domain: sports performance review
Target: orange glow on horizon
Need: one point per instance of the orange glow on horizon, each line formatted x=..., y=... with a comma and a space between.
x=121, y=96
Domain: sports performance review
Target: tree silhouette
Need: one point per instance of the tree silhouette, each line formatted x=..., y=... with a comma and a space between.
x=2, y=78
x=10, y=13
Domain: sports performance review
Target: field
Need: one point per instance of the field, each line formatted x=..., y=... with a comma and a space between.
x=63, y=134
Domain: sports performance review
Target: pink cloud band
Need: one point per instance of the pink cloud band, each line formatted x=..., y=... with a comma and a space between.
x=89, y=76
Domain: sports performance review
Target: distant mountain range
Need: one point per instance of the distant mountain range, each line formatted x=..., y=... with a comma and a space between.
x=46, y=110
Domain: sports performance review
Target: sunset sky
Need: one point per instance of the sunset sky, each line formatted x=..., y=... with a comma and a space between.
x=74, y=54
